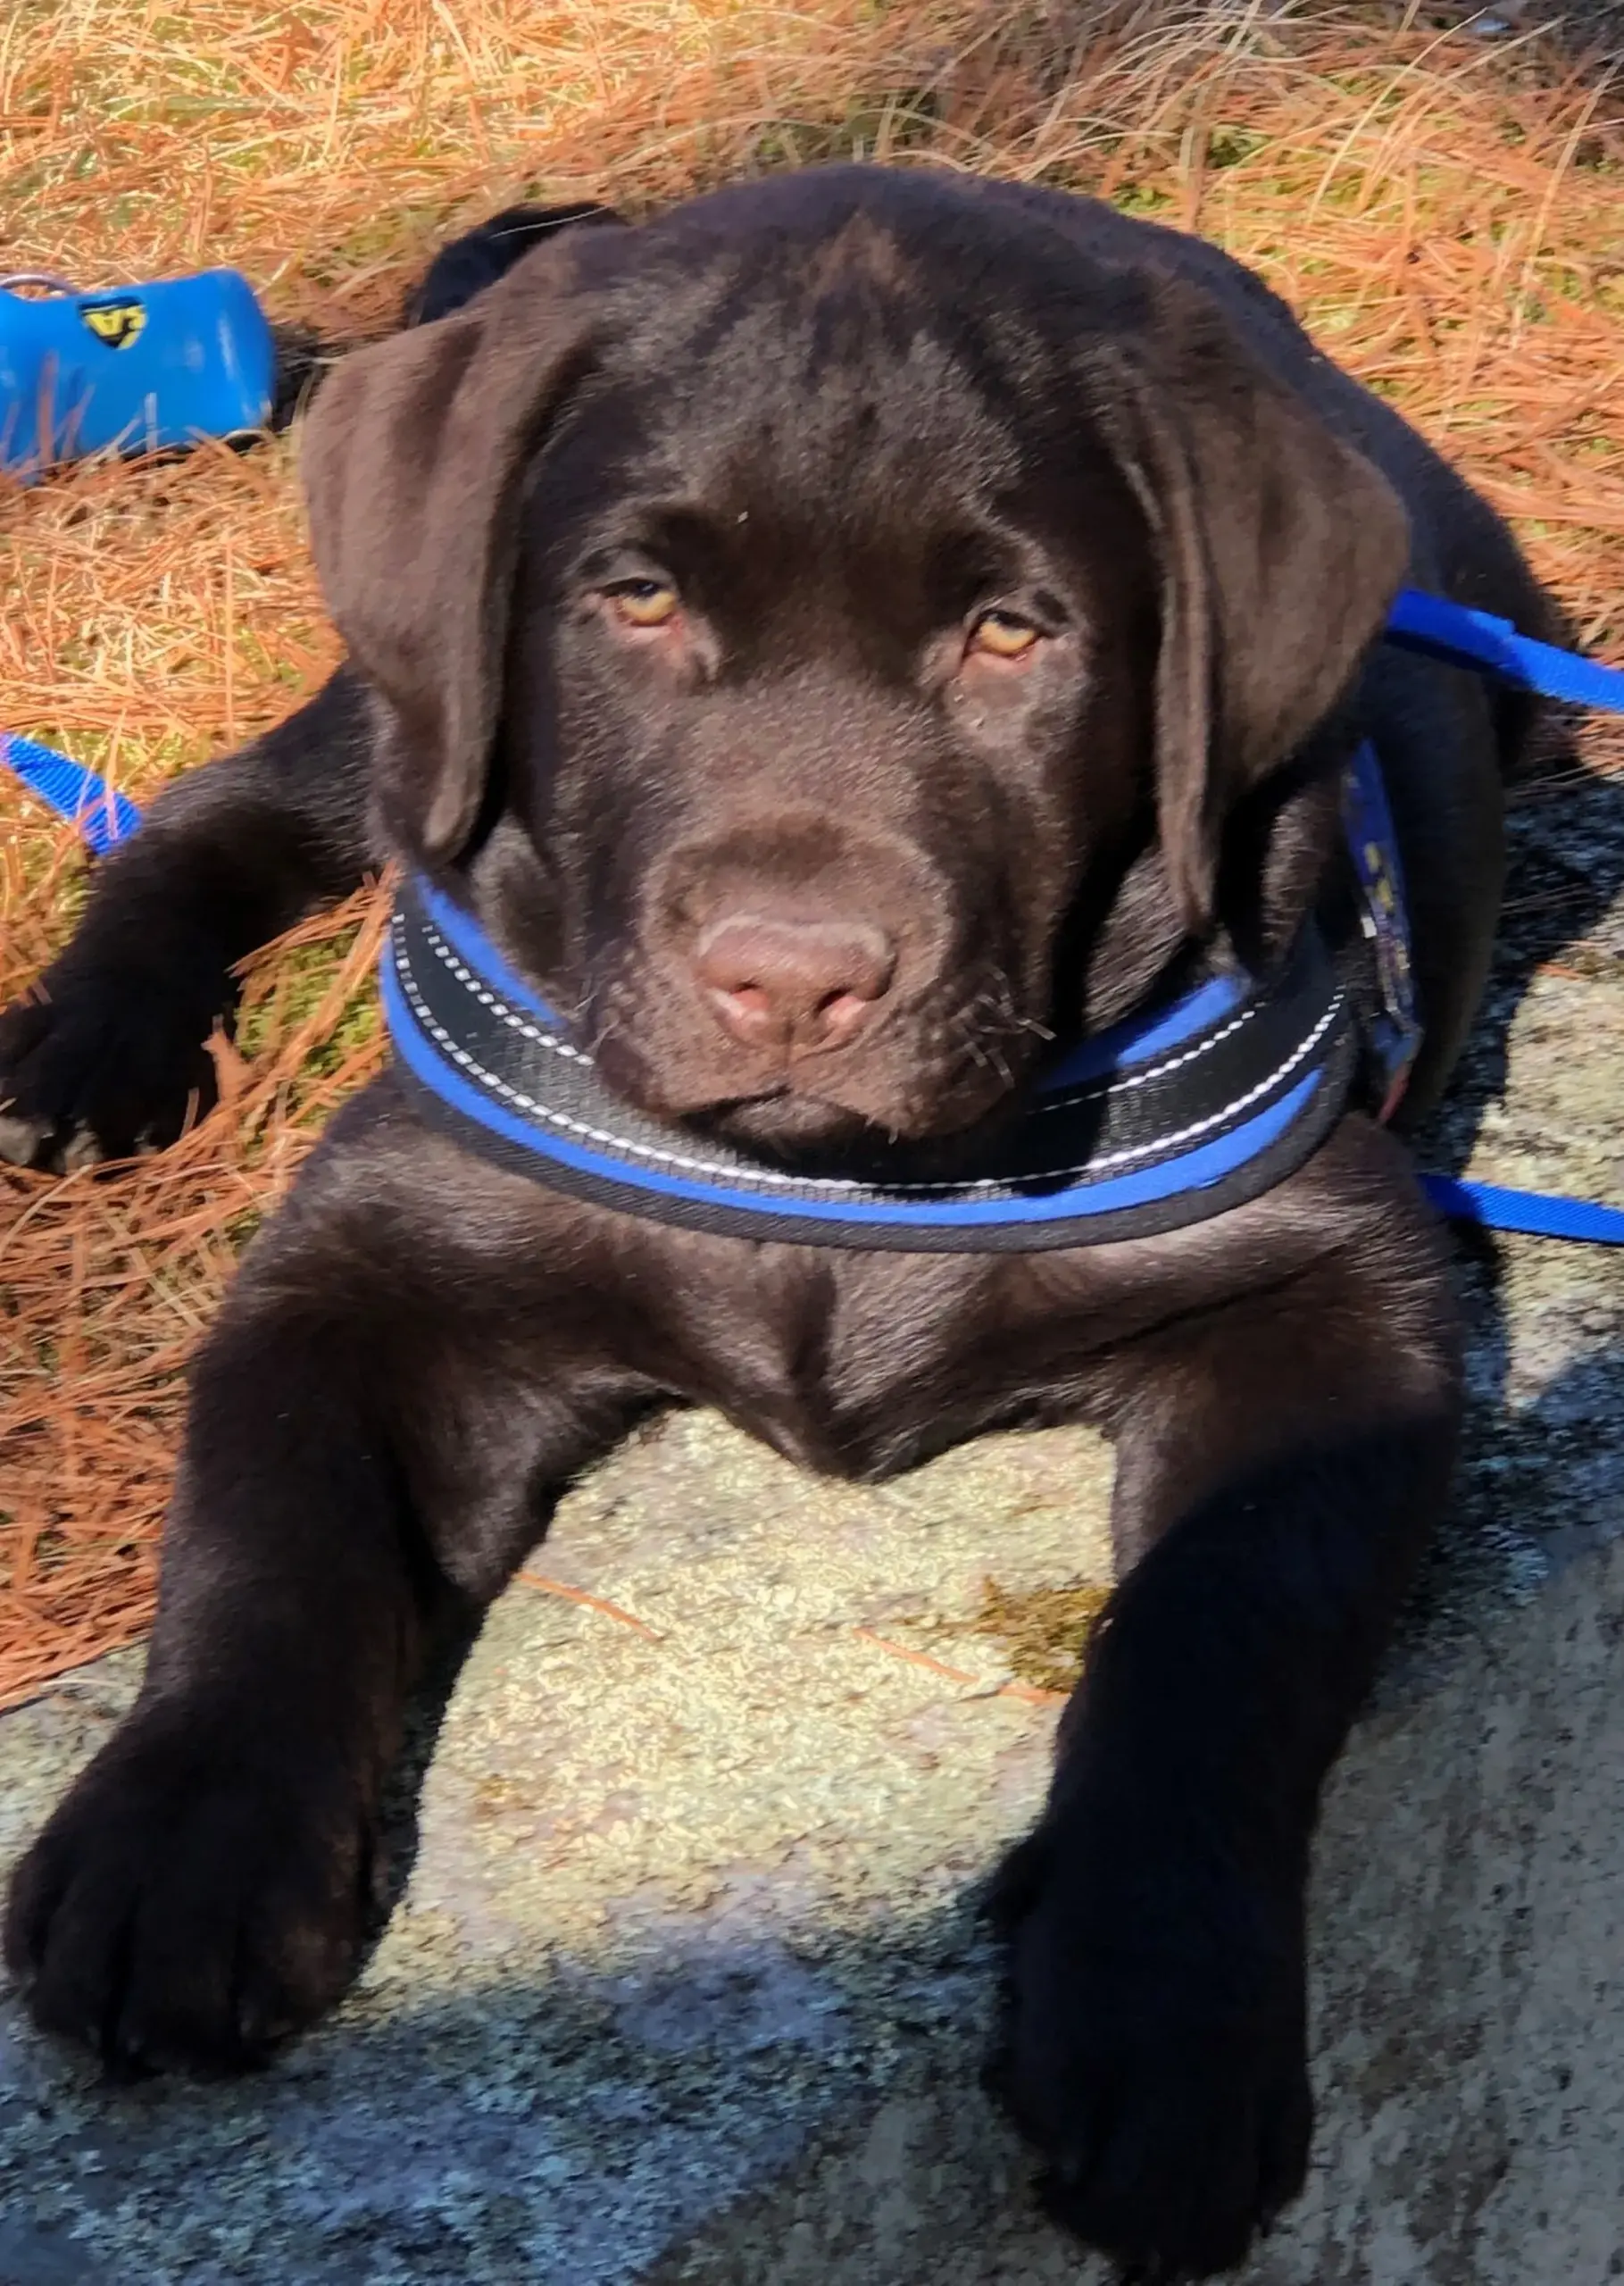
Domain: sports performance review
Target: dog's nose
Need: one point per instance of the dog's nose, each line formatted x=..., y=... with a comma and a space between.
x=793, y=984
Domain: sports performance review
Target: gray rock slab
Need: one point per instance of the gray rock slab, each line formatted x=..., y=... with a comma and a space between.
x=684, y=1982
x=686, y=1892
x=1469, y=2016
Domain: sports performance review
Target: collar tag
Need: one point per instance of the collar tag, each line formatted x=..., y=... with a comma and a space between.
x=1393, y=1032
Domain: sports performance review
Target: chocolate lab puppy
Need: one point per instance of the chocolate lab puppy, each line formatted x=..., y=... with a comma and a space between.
x=841, y=641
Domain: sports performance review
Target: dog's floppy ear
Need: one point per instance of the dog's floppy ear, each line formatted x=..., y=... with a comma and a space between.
x=1280, y=550
x=414, y=456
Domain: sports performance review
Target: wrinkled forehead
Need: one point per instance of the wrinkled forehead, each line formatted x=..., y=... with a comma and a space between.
x=808, y=382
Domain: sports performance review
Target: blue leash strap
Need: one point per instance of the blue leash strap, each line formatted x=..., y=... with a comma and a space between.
x=1461, y=638
x=102, y=815
x=1428, y=624
x=1534, y=1212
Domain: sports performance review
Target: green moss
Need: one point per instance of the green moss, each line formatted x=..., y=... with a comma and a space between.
x=1226, y=146
x=297, y=983
x=876, y=129
x=1043, y=1630
x=1143, y=198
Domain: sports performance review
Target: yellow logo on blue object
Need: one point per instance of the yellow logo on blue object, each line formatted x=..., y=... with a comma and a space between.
x=117, y=323
x=144, y=367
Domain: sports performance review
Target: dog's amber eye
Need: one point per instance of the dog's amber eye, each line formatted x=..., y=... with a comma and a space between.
x=643, y=602
x=1001, y=636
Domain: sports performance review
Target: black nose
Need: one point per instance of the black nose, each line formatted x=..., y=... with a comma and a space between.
x=793, y=984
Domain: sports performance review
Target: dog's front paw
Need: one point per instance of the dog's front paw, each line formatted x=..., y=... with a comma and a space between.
x=101, y=1061
x=1153, y=2049
x=190, y=1904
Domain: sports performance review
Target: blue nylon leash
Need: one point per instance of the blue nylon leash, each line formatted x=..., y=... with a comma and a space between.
x=75, y=793
x=1461, y=638
x=1428, y=624
x=1534, y=1212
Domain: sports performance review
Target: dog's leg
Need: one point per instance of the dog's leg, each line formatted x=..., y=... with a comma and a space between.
x=378, y=1429
x=1280, y=1460
x=106, y=1053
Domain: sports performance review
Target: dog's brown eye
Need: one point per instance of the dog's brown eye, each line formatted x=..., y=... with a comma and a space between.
x=643, y=602
x=1001, y=636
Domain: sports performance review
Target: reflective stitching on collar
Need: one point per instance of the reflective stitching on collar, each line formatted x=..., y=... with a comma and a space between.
x=823, y=1184
x=487, y=999
x=1138, y=1079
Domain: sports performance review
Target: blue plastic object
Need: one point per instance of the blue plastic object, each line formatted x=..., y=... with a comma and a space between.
x=134, y=369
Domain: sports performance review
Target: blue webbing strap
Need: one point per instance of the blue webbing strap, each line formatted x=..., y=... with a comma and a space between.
x=1539, y=1215
x=1461, y=638
x=1418, y=623
x=102, y=815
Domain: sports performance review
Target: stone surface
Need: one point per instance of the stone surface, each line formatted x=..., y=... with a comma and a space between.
x=686, y=1891
x=1470, y=2021
x=684, y=1983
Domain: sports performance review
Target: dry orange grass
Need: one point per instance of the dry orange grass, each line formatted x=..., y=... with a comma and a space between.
x=1444, y=210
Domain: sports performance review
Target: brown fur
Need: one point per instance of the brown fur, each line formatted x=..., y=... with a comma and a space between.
x=843, y=413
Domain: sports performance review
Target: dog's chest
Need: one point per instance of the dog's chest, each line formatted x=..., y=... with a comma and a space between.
x=860, y=1364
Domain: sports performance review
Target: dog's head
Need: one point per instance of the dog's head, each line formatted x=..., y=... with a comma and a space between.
x=835, y=629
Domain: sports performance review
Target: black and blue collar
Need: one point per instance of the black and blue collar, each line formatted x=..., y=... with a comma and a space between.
x=1165, y=1120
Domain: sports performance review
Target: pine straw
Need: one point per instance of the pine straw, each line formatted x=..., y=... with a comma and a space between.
x=1444, y=210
